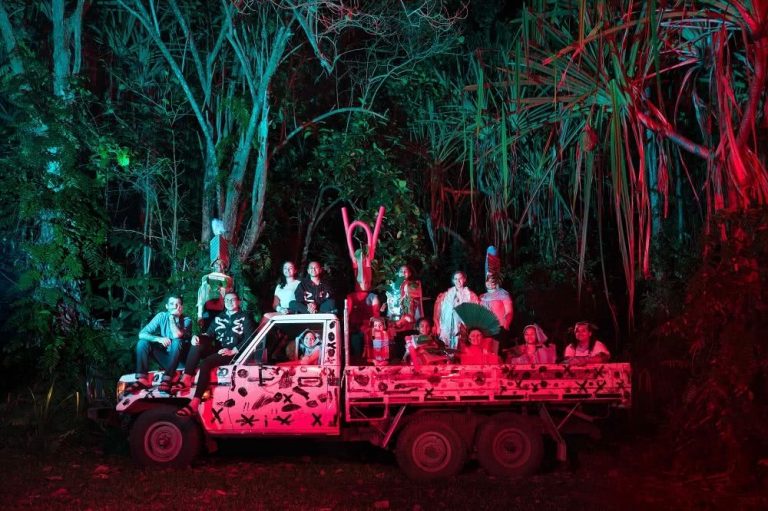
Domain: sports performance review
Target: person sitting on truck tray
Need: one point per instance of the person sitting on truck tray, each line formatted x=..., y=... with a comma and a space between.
x=447, y=322
x=309, y=346
x=424, y=348
x=586, y=349
x=498, y=301
x=424, y=327
x=313, y=294
x=535, y=350
x=232, y=329
x=162, y=339
x=285, y=290
x=404, y=296
x=478, y=350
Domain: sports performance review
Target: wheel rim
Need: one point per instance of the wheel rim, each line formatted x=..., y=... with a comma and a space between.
x=432, y=452
x=163, y=441
x=511, y=447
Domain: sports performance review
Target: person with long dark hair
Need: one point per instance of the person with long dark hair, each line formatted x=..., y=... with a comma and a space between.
x=586, y=349
x=285, y=291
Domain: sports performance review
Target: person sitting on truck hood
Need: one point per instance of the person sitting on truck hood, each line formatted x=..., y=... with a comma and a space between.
x=586, y=349
x=162, y=339
x=232, y=329
x=313, y=294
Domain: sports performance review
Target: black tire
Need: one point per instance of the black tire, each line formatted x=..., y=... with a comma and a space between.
x=509, y=446
x=429, y=448
x=160, y=438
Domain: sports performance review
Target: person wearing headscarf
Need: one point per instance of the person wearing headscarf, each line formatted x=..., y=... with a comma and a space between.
x=535, y=349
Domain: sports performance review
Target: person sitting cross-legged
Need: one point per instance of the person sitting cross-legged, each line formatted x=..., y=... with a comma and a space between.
x=313, y=294
x=231, y=328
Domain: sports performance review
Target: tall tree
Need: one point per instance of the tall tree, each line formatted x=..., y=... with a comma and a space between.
x=587, y=86
x=226, y=57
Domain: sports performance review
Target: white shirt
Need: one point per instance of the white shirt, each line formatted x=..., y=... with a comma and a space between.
x=573, y=351
x=286, y=294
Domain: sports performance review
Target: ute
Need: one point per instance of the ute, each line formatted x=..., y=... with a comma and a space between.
x=435, y=417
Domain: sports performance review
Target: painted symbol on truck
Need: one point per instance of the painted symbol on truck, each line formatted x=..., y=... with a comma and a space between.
x=246, y=421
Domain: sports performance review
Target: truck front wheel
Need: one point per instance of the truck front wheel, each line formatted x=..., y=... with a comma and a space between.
x=509, y=446
x=160, y=438
x=429, y=448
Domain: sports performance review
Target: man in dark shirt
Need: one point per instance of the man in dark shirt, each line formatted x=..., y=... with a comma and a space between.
x=313, y=294
x=231, y=328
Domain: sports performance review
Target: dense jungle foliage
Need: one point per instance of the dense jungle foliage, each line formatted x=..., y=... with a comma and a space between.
x=613, y=151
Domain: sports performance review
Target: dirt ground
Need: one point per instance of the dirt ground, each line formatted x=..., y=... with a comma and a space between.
x=95, y=472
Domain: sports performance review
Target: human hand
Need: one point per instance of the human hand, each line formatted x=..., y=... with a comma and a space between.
x=195, y=340
x=226, y=352
x=312, y=307
x=163, y=340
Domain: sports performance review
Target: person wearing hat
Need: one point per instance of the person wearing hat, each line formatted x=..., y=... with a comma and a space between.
x=586, y=349
x=535, y=350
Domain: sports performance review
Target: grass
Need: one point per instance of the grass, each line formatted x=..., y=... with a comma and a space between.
x=95, y=472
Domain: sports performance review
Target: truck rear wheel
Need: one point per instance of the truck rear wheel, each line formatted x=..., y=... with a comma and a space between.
x=429, y=448
x=160, y=438
x=509, y=446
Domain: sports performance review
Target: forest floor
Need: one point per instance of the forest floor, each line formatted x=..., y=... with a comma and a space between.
x=94, y=471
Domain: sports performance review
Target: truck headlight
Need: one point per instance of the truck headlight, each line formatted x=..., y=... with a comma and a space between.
x=120, y=389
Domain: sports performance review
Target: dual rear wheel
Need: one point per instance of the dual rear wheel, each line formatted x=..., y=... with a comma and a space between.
x=507, y=445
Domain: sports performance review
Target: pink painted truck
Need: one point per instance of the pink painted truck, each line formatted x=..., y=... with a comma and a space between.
x=435, y=417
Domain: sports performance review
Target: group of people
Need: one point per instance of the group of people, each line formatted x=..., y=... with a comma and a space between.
x=396, y=328
x=392, y=329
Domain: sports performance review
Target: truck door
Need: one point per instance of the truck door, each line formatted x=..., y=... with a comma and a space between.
x=282, y=394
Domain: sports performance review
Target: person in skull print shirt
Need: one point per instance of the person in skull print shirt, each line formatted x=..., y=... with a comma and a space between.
x=313, y=293
x=231, y=329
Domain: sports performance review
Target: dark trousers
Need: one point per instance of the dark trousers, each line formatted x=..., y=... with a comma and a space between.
x=168, y=358
x=206, y=348
x=204, y=378
x=328, y=306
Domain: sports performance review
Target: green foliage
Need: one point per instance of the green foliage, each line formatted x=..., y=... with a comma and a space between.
x=357, y=169
x=722, y=330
